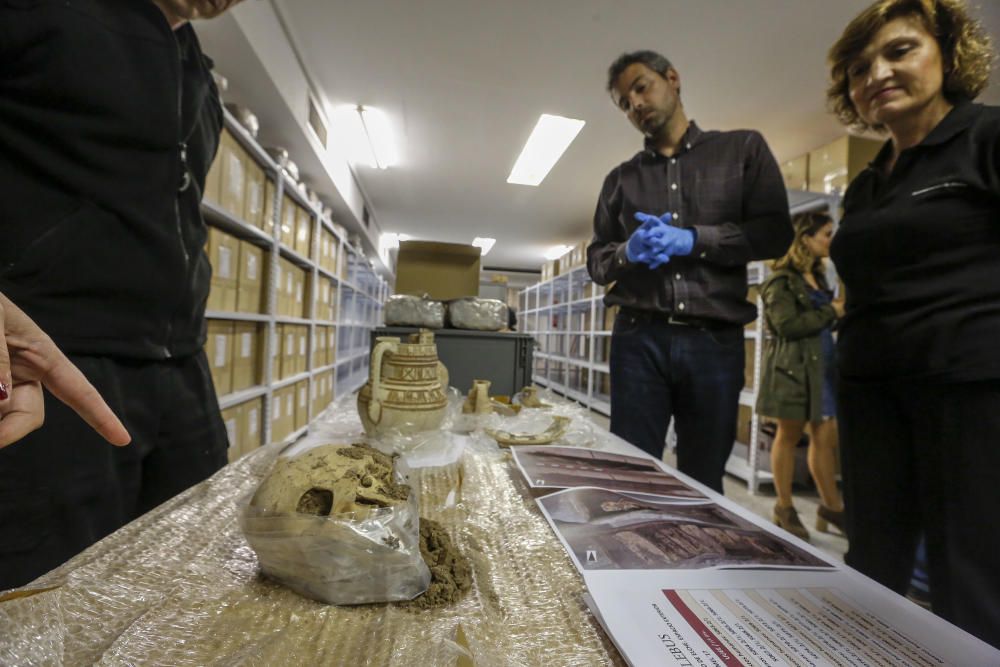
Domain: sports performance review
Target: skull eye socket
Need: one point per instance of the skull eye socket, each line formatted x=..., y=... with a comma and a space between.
x=316, y=501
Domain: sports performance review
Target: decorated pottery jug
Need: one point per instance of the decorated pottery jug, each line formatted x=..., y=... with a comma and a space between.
x=406, y=386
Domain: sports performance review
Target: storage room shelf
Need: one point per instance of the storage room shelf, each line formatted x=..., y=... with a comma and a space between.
x=240, y=317
x=356, y=299
x=241, y=396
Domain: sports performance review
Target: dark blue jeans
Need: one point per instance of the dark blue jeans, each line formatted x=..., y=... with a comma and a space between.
x=661, y=370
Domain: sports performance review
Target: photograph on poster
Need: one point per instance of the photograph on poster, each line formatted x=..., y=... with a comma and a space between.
x=610, y=530
x=570, y=467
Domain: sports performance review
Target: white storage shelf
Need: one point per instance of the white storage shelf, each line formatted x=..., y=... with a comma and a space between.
x=359, y=292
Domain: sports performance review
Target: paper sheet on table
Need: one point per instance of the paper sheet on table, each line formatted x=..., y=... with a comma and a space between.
x=568, y=467
x=757, y=619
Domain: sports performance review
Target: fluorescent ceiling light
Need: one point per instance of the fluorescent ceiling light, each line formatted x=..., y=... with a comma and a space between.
x=366, y=134
x=484, y=244
x=548, y=141
x=557, y=251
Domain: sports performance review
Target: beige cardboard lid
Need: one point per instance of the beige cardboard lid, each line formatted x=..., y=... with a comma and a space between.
x=440, y=270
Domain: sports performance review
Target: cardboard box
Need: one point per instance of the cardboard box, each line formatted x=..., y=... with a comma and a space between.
x=796, y=173
x=301, y=404
x=328, y=250
x=232, y=194
x=224, y=256
x=279, y=430
x=302, y=353
x=289, y=409
x=246, y=355
x=319, y=347
x=286, y=356
x=219, y=350
x=251, y=421
x=441, y=270
x=303, y=232
x=268, y=215
x=749, y=348
x=231, y=418
x=323, y=311
x=331, y=349
x=250, y=282
x=743, y=425
x=550, y=269
x=287, y=232
x=253, y=209
x=275, y=416
x=300, y=304
x=213, y=180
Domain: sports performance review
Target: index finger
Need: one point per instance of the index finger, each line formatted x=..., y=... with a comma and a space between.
x=68, y=384
x=5, y=376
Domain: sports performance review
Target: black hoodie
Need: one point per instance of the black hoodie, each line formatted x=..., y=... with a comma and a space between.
x=109, y=121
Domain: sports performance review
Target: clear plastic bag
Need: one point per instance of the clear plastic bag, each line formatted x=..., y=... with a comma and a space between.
x=477, y=314
x=358, y=557
x=413, y=311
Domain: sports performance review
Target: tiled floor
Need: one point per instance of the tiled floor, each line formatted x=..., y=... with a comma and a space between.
x=806, y=502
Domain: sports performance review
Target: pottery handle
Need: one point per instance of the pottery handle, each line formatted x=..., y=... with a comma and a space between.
x=375, y=376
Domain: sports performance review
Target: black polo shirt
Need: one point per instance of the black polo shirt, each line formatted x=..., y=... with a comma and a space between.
x=919, y=253
x=727, y=187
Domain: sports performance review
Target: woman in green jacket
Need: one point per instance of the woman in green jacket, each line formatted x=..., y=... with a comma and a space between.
x=797, y=384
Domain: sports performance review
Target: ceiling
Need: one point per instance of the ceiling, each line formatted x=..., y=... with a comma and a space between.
x=464, y=83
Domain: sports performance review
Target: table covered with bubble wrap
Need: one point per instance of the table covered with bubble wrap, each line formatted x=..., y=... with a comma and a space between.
x=181, y=586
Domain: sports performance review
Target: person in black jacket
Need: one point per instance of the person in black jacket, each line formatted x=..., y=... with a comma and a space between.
x=919, y=251
x=109, y=120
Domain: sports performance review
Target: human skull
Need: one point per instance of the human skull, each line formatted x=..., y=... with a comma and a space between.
x=331, y=480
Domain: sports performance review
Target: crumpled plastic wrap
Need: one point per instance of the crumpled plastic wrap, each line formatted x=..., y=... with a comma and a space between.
x=477, y=314
x=342, y=558
x=180, y=586
x=403, y=310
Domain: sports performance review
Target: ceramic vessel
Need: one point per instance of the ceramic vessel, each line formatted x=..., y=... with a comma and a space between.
x=405, y=388
x=478, y=400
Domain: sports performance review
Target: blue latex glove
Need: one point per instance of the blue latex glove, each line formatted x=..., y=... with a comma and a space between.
x=664, y=240
x=639, y=248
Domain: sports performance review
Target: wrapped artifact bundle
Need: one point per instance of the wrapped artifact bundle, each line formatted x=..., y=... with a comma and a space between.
x=335, y=524
x=402, y=310
x=478, y=314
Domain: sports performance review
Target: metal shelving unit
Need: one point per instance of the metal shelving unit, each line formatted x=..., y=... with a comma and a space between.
x=359, y=292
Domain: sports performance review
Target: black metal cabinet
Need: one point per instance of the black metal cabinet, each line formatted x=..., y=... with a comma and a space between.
x=503, y=358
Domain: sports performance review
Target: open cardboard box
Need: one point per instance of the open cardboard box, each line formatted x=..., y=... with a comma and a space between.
x=442, y=271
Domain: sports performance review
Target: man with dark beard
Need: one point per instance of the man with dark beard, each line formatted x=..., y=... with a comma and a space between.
x=109, y=120
x=674, y=229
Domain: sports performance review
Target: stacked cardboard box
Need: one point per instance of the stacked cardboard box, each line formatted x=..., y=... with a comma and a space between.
x=286, y=234
x=224, y=256
x=251, y=279
x=327, y=250
x=247, y=361
x=303, y=231
x=301, y=404
x=219, y=350
x=243, y=425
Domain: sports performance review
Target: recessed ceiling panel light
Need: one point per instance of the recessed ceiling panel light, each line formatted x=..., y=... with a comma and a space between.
x=557, y=251
x=484, y=244
x=548, y=141
x=366, y=134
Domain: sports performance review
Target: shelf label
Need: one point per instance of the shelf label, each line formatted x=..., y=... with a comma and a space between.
x=252, y=267
x=220, y=350
x=225, y=256
x=245, y=344
x=231, y=431
x=252, y=423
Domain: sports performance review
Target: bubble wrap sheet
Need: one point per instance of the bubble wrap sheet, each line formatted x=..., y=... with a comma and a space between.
x=181, y=586
x=412, y=311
